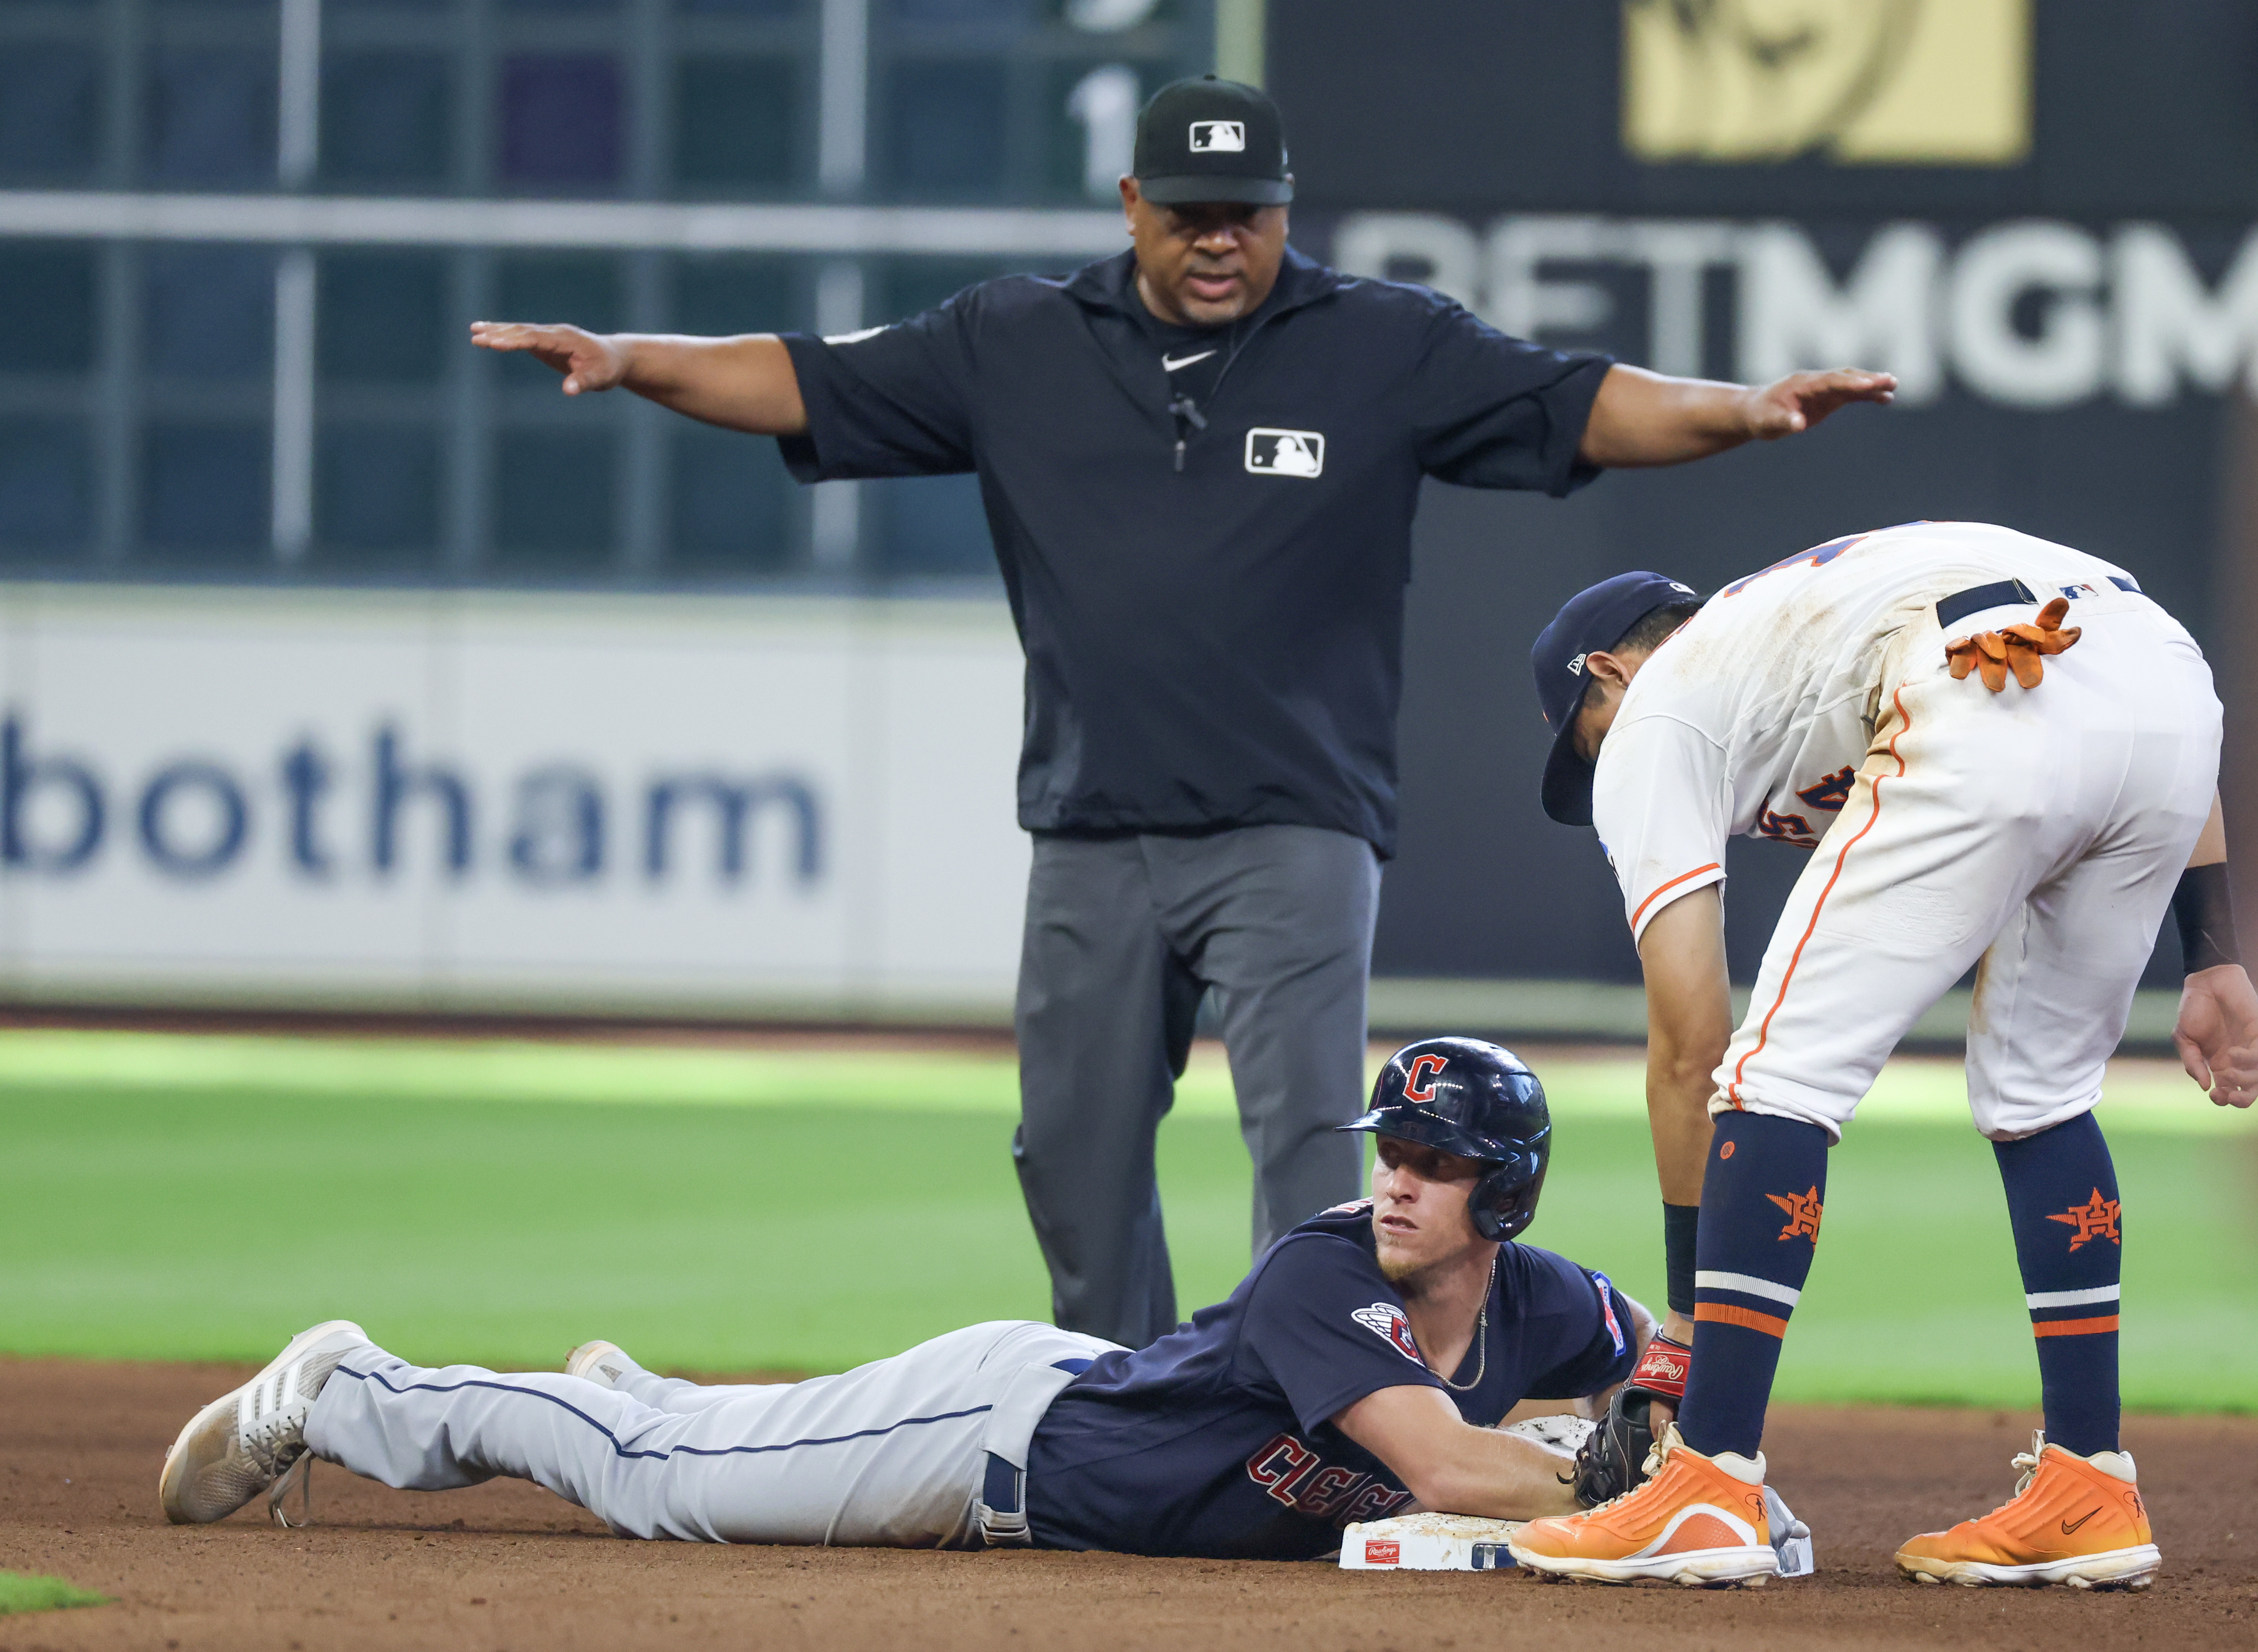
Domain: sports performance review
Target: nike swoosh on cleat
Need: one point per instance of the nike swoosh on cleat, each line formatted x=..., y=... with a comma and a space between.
x=2070, y=1526
x=1170, y=365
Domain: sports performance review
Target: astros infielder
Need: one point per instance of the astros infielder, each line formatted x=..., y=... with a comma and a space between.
x=1363, y=1362
x=1979, y=781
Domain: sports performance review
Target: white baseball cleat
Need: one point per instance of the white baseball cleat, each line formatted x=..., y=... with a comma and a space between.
x=601, y=1363
x=244, y=1442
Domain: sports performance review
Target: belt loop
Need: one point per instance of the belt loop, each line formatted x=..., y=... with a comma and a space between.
x=1004, y=1506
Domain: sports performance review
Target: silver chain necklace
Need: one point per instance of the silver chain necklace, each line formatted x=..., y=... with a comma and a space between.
x=1481, y=1338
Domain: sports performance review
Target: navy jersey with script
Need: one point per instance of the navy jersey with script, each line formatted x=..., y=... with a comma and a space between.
x=1216, y=1440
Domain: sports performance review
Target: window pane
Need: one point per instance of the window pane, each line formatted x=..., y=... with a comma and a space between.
x=381, y=318
x=905, y=287
x=46, y=503
x=729, y=504
x=553, y=502
x=948, y=125
x=46, y=108
x=584, y=291
x=560, y=118
x=47, y=307
x=211, y=116
x=384, y=117
x=210, y=311
x=203, y=487
x=960, y=11
x=714, y=297
x=934, y=525
x=734, y=120
x=376, y=488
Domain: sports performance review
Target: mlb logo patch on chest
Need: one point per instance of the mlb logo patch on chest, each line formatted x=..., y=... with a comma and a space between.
x=1285, y=452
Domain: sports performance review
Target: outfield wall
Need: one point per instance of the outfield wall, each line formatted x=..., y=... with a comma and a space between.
x=458, y=801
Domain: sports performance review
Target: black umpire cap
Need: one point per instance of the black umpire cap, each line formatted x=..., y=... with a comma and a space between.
x=1594, y=619
x=1208, y=139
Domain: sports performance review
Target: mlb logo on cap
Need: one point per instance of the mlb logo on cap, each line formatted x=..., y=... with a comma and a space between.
x=1211, y=140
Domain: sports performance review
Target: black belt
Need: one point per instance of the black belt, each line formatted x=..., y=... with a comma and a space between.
x=2000, y=593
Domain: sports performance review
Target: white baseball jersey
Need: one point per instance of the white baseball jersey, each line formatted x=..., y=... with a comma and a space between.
x=1755, y=717
x=2041, y=830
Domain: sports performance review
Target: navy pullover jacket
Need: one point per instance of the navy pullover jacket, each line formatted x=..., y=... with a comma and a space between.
x=1214, y=636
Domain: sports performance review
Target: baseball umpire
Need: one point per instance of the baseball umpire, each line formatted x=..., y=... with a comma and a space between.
x=1855, y=699
x=1200, y=461
x=1364, y=1363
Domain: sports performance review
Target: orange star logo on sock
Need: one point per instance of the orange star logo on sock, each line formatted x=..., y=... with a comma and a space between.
x=1803, y=1213
x=2096, y=1219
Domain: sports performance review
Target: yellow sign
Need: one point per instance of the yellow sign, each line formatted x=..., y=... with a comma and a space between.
x=1892, y=83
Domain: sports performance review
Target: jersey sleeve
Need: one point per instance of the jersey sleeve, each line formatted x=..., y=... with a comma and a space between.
x=887, y=402
x=1491, y=411
x=1661, y=806
x=1324, y=1324
x=1578, y=1327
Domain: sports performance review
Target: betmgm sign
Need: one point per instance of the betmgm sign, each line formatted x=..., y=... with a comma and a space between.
x=722, y=807
x=2029, y=314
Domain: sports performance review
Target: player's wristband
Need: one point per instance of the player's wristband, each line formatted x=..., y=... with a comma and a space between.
x=2204, y=906
x=1678, y=1223
x=1661, y=1370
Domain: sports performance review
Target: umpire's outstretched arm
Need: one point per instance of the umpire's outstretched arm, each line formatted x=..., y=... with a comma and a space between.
x=746, y=383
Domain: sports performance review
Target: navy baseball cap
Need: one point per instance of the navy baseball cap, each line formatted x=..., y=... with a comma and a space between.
x=1208, y=139
x=1594, y=621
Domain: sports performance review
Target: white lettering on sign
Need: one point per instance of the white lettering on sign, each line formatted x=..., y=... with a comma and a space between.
x=2028, y=314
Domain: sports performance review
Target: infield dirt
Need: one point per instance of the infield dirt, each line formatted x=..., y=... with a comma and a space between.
x=508, y=1566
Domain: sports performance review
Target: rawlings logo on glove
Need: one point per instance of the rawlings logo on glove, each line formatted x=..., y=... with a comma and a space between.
x=1613, y=1460
x=2018, y=648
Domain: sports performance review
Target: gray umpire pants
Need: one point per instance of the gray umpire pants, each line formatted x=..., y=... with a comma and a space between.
x=1124, y=936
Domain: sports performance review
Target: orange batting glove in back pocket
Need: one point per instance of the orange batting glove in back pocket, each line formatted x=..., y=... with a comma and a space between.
x=2019, y=647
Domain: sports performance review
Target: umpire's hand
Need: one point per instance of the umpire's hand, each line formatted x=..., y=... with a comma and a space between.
x=743, y=383
x=1793, y=405
x=589, y=361
x=1648, y=418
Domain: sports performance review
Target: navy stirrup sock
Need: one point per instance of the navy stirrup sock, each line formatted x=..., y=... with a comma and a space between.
x=2062, y=1197
x=1761, y=1201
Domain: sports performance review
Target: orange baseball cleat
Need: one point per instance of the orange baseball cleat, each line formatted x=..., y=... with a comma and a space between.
x=2074, y=1519
x=1697, y=1521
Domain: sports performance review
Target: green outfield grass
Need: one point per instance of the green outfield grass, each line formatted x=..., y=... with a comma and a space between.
x=169, y=1197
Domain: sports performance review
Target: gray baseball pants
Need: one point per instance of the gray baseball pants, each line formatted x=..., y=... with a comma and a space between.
x=1124, y=936
x=927, y=1450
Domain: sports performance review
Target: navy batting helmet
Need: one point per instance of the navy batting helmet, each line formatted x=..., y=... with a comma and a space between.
x=1479, y=1101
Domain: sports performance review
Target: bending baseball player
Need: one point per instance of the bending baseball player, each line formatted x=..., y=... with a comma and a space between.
x=1980, y=782
x=1363, y=1363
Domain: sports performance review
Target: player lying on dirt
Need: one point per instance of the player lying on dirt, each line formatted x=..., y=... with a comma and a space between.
x=1362, y=1365
x=1855, y=700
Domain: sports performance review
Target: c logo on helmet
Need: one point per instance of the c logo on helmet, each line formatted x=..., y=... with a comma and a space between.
x=1419, y=1083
